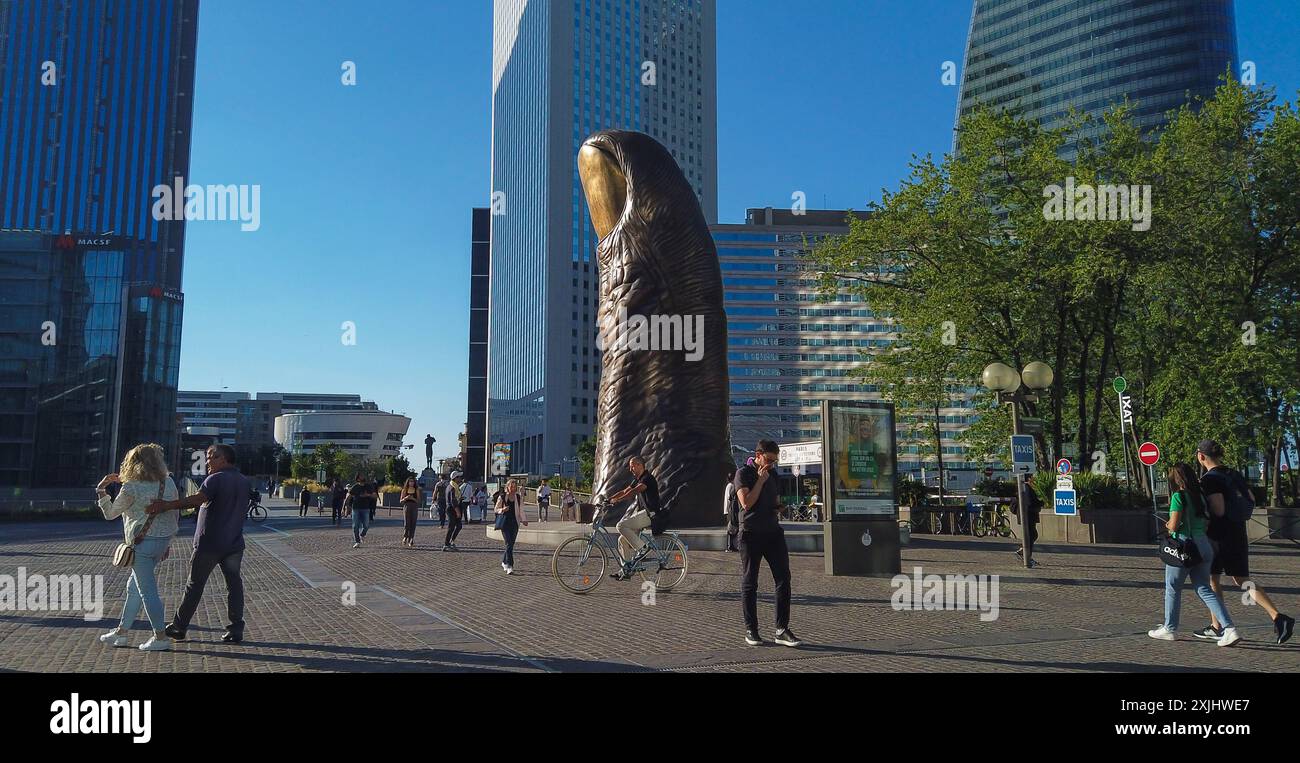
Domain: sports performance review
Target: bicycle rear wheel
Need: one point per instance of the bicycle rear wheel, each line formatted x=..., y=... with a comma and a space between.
x=666, y=566
x=257, y=513
x=980, y=527
x=1004, y=527
x=579, y=564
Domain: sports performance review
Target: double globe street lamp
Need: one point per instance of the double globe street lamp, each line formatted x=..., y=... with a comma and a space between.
x=1013, y=388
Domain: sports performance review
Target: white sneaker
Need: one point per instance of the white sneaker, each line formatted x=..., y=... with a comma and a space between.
x=356, y=545
x=155, y=644
x=510, y=570
x=505, y=566
x=1229, y=637
x=114, y=638
x=1163, y=633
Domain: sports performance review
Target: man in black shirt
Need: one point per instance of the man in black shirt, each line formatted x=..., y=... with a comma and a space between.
x=646, y=490
x=761, y=537
x=1231, y=544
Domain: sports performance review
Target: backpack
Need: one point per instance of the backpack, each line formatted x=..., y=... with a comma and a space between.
x=1239, y=501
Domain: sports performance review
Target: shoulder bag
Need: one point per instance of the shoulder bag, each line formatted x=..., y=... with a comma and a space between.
x=124, y=554
x=1180, y=552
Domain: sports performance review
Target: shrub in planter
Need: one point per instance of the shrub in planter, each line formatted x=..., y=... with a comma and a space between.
x=994, y=488
x=910, y=492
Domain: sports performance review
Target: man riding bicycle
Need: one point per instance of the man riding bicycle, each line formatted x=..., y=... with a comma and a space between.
x=646, y=490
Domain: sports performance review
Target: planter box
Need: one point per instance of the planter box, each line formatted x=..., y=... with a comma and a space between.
x=1283, y=523
x=390, y=500
x=1115, y=526
x=290, y=492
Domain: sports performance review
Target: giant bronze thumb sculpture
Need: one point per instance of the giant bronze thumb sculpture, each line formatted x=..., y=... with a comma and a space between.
x=663, y=384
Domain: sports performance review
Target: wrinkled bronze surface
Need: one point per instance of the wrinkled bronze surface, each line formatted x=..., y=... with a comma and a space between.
x=656, y=258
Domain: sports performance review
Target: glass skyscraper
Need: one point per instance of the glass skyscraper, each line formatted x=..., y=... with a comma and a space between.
x=562, y=70
x=1045, y=56
x=95, y=107
x=787, y=351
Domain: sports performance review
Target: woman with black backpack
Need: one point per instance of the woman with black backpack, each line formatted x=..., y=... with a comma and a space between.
x=1188, y=519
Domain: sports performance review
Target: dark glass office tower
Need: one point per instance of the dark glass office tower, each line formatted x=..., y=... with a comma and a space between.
x=1044, y=56
x=95, y=107
x=476, y=423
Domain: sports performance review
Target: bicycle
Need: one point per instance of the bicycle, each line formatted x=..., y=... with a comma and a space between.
x=992, y=520
x=579, y=563
x=256, y=511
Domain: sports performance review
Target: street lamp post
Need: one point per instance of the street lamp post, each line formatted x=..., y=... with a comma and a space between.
x=1013, y=388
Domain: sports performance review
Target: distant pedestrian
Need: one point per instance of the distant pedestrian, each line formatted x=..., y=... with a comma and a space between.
x=1029, y=518
x=304, y=501
x=440, y=501
x=360, y=511
x=544, y=501
x=568, y=506
x=1231, y=504
x=509, y=516
x=456, y=507
x=218, y=540
x=481, y=500
x=372, y=498
x=761, y=537
x=1188, y=520
x=411, y=499
x=142, y=478
x=731, y=511
x=337, y=494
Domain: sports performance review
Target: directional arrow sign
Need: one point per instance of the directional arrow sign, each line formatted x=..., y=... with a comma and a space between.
x=1149, y=453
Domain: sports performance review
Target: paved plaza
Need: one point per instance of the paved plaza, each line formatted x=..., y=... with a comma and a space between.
x=1087, y=608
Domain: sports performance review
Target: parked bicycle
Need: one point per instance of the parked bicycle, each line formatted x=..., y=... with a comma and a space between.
x=579, y=563
x=993, y=519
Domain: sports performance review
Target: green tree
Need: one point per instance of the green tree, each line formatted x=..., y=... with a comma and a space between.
x=398, y=469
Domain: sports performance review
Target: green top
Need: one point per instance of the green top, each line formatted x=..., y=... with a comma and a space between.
x=1189, y=521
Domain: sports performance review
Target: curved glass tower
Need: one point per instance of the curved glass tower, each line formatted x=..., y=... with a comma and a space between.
x=1045, y=56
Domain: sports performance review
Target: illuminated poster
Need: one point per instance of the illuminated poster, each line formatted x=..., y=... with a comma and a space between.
x=500, y=459
x=860, y=455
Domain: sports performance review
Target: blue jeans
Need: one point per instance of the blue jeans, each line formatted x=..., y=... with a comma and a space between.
x=142, y=587
x=360, y=522
x=510, y=532
x=1174, y=578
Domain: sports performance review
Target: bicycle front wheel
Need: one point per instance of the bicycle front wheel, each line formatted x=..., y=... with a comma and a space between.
x=980, y=526
x=579, y=564
x=665, y=567
x=1004, y=527
x=257, y=513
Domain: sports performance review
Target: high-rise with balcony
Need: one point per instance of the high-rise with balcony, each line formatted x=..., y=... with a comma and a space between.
x=95, y=108
x=1046, y=56
x=562, y=70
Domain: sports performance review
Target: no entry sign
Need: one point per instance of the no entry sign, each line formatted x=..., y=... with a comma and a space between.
x=1149, y=453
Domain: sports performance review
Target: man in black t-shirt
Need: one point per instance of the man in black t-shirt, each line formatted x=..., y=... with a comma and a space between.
x=1231, y=544
x=646, y=490
x=761, y=537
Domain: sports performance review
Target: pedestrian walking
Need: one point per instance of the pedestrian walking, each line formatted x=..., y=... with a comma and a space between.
x=1187, y=523
x=218, y=540
x=731, y=511
x=304, y=501
x=1029, y=519
x=568, y=506
x=143, y=478
x=440, y=500
x=481, y=500
x=509, y=516
x=761, y=537
x=337, y=493
x=1228, y=496
x=411, y=499
x=372, y=498
x=544, y=501
x=456, y=506
x=360, y=511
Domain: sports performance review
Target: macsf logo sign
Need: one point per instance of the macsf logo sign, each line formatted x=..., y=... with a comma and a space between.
x=103, y=716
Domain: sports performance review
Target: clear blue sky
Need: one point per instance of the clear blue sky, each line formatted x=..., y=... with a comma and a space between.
x=367, y=190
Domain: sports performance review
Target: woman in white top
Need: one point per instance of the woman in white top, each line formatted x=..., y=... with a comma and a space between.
x=510, y=510
x=732, y=517
x=143, y=478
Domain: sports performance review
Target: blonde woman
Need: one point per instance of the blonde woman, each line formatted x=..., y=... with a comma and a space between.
x=144, y=479
x=510, y=515
x=411, y=499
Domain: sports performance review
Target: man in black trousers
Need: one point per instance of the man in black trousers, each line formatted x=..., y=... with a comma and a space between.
x=761, y=537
